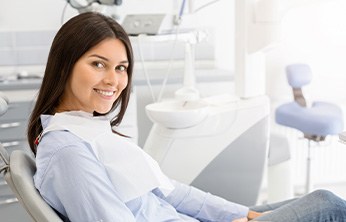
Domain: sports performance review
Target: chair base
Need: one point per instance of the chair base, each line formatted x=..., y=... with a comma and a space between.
x=308, y=183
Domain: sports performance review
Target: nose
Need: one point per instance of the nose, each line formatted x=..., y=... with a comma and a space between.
x=111, y=78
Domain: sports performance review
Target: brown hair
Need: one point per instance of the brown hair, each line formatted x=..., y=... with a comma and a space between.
x=75, y=38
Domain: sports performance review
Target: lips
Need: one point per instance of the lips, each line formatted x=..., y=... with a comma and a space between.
x=105, y=93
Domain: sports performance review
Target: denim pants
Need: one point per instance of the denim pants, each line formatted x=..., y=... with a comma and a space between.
x=318, y=206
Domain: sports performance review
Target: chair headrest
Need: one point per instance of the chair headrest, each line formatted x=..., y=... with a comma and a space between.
x=298, y=75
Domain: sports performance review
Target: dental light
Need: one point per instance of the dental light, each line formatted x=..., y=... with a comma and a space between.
x=91, y=5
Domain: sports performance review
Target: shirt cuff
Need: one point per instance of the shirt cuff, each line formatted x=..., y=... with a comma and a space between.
x=234, y=211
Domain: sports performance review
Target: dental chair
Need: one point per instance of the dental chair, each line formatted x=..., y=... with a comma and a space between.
x=316, y=121
x=19, y=168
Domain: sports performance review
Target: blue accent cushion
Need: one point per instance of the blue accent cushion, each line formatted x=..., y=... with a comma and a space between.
x=321, y=119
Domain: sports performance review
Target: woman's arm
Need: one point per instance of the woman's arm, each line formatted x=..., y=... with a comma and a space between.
x=201, y=205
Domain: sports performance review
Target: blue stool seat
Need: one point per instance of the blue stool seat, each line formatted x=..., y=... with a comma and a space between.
x=321, y=119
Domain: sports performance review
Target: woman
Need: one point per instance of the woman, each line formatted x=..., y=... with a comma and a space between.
x=88, y=172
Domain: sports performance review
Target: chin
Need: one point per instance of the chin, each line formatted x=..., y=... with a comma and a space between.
x=102, y=111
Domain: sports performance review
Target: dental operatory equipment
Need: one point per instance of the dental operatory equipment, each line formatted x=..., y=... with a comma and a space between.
x=163, y=28
x=91, y=5
x=219, y=143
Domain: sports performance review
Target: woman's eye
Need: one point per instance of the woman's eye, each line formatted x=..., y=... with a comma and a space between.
x=121, y=68
x=98, y=64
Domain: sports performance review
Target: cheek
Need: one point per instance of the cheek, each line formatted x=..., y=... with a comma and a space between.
x=82, y=77
x=123, y=83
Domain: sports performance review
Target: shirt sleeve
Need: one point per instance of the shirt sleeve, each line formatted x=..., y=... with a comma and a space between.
x=202, y=205
x=76, y=184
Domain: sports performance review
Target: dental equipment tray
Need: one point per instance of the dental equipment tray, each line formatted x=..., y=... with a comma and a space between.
x=150, y=24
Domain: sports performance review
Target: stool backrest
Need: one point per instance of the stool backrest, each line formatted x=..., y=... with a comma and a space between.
x=298, y=75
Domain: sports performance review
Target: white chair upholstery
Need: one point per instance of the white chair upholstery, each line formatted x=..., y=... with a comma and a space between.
x=19, y=168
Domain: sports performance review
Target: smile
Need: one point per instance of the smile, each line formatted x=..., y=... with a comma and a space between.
x=105, y=93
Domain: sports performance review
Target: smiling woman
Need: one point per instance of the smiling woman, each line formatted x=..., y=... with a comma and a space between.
x=96, y=67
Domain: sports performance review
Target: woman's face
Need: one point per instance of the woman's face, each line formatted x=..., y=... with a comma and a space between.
x=97, y=79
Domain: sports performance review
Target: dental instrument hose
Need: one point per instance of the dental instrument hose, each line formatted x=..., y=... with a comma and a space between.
x=171, y=57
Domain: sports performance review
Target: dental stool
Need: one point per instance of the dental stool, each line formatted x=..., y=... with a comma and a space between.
x=316, y=121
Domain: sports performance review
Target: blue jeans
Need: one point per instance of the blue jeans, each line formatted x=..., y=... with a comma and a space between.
x=318, y=206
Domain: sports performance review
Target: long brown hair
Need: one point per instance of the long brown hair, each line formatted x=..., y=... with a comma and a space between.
x=75, y=38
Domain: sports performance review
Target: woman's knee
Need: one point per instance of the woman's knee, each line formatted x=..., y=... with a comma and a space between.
x=323, y=195
x=327, y=199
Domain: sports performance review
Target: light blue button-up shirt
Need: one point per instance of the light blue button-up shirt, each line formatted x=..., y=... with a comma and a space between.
x=75, y=183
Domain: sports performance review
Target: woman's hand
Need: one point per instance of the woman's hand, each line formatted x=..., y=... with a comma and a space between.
x=244, y=219
x=253, y=214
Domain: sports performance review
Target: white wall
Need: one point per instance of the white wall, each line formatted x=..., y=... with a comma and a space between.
x=313, y=34
x=33, y=15
x=23, y=15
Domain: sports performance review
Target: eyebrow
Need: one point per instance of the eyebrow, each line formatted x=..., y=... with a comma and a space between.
x=106, y=59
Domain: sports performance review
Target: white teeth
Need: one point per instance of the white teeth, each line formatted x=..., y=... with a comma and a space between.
x=105, y=93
